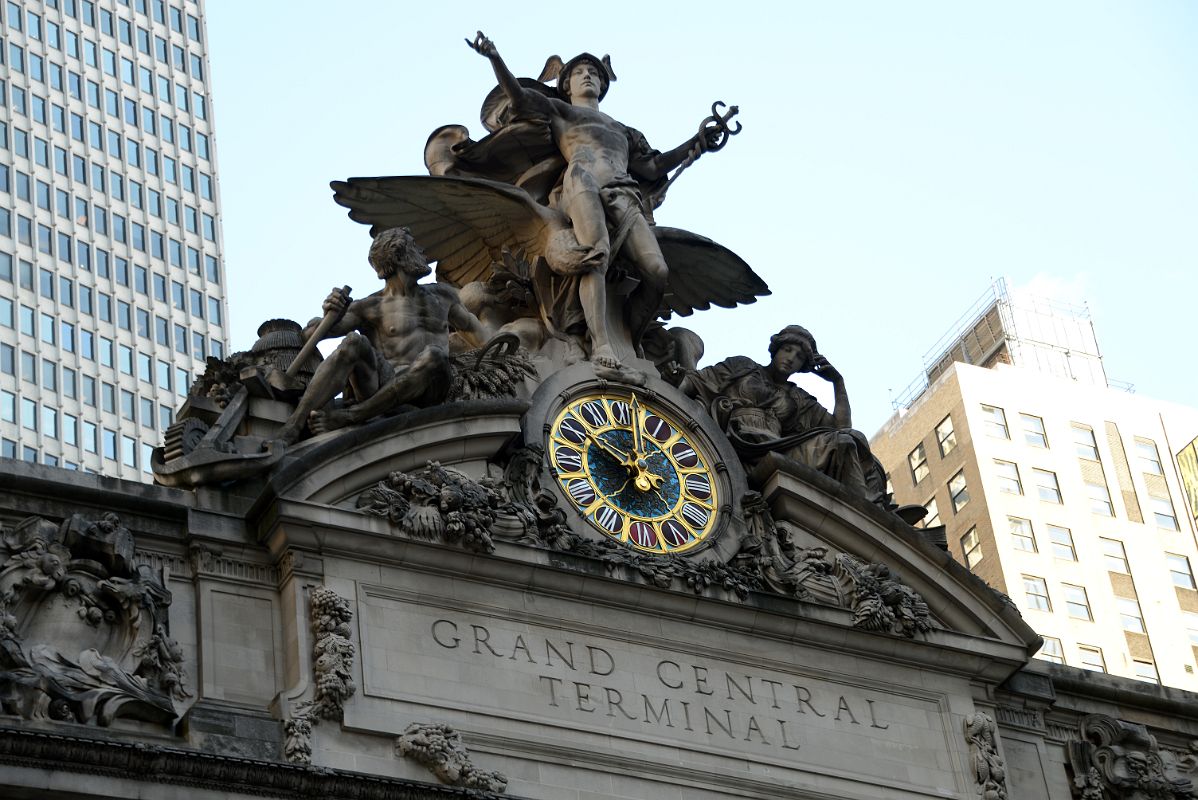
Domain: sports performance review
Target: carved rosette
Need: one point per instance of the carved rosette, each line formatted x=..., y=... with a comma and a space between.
x=989, y=772
x=1117, y=760
x=332, y=669
x=441, y=750
x=83, y=628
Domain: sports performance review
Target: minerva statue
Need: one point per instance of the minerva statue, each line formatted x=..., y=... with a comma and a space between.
x=762, y=412
x=559, y=199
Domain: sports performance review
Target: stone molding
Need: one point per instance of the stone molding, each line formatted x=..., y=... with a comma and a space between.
x=228, y=775
x=210, y=562
x=441, y=750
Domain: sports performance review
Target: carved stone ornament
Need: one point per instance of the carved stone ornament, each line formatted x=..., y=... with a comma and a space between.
x=83, y=629
x=989, y=772
x=440, y=749
x=1117, y=760
x=332, y=669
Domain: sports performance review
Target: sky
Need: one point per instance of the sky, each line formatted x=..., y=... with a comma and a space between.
x=895, y=158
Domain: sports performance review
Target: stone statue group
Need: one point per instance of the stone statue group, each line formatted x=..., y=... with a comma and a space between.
x=546, y=250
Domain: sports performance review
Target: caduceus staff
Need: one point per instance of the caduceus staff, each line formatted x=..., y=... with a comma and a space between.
x=714, y=132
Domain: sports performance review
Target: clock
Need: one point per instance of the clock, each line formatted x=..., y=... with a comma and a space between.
x=633, y=472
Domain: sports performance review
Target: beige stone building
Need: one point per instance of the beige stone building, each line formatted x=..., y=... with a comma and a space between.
x=1056, y=488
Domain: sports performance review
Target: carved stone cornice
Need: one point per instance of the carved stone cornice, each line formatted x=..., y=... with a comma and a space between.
x=230, y=776
x=209, y=561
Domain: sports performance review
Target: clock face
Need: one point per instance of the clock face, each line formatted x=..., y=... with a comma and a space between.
x=632, y=472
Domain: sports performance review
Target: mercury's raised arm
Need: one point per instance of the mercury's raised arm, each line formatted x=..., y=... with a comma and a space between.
x=507, y=81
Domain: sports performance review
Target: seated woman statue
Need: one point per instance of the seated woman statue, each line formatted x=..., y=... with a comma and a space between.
x=763, y=412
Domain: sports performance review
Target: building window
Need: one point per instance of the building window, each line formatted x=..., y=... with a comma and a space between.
x=1191, y=620
x=1092, y=658
x=1008, y=477
x=958, y=491
x=995, y=422
x=945, y=436
x=1148, y=457
x=917, y=460
x=1021, y=534
x=1179, y=568
x=1062, y=543
x=1052, y=651
x=971, y=546
x=1083, y=441
x=1146, y=671
x=1162, y=511
x=1033, y=430
x=1100, y=499
x=1036, y=592
x=1046, y=485
x=1130, y=615
x=933, y=517
x=1076, y=603
x=1115, y=556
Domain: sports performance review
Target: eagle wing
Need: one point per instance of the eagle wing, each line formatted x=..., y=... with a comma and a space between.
x=704, y=273
x=464, y=224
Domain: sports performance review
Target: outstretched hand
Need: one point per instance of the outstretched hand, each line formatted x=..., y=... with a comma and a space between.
x=482, y=45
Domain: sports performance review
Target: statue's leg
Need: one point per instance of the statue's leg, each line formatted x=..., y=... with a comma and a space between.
x=641, y=246
x=581, y=202
x=353, y=353
x=423, y=382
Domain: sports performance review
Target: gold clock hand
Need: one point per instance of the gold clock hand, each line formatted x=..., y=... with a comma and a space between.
x=638, y=445
x=624, y=458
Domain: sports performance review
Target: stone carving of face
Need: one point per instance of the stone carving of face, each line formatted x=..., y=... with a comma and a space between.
x=395, y=251
x=793, y=356
x=585, y=80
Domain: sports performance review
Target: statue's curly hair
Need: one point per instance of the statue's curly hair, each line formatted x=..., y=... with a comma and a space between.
x=395, y=246
x=791, y=334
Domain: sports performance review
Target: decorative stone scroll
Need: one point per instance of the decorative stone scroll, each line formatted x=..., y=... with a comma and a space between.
x=83, y=627
x=1118, y=760
x=440, y=749
x=332, y=667
x=989, y=772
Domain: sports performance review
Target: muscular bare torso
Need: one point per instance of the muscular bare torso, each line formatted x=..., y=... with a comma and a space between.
x=402, y=326
x=590, y=139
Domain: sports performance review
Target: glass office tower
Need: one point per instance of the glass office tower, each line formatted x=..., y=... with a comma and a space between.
x=111, y=277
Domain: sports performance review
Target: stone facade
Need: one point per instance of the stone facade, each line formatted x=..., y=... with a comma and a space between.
x=325, y=648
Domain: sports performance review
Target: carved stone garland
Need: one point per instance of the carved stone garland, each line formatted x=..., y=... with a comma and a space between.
x=440, y=749
x=1117, y=760
x=332, y=667
x=989, y=772
x=439, y=503
x=83, y=628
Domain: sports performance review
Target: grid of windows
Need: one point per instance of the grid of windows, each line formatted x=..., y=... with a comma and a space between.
x=1083, y=441
x=958, y=491
x=1115, y=556
x=1046, y=485
x=1130, y=615
x=918, y=461
x=1077, y=604
x=109, y=203
x=1007, y=473
x=1062, y=543
x=1100, y=499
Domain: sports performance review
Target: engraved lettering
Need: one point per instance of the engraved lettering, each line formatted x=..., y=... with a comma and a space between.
x=748, y=693
x=873, y=717
x=481, y=636
x=616, y=700
x=551, y=648
x=657, y=716
x=701, y=680
x=786, y=745
x=686, y=713
x=753, y=726
x=553, y=684
x=662, y=678
x=518, y=646
x=803, y=697
x=582, y=691
x=454, y=641
x=773, y=691
x=611, y=662
x=725, y=726
x=844, y=706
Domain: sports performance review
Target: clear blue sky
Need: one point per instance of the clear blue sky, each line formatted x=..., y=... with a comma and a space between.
x=895, y=156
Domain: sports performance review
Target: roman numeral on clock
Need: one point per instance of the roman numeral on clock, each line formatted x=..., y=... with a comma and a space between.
x=608, y=519
x=698, y=486
x=572, y=430
x=621, y=413
x=581, y=491
x=595, y=413
x=567, y=459
x=696, y=515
